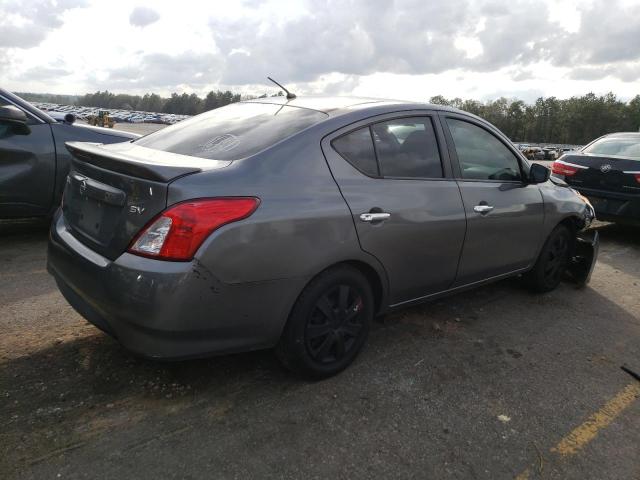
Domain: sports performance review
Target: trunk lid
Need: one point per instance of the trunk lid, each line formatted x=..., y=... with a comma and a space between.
x=603, y=173
x=113, y=191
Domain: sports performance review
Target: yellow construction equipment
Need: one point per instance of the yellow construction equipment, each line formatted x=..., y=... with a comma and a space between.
x=101, y=120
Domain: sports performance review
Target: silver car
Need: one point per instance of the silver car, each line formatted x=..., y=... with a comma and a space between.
x=293, y=223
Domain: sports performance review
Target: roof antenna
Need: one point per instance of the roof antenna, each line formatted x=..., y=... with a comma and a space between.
x=290, y=96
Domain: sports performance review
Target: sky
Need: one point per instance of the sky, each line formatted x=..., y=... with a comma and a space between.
x=402, y=49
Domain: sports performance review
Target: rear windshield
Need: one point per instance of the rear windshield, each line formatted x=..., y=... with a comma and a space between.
x=232, y=132
x=618, y=147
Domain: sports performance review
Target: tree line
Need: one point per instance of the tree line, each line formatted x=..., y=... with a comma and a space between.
x=185, y=104
x=574, y=121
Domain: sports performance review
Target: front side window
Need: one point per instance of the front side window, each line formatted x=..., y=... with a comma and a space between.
x=481, y=155
x=232, y=132
x=407, y=148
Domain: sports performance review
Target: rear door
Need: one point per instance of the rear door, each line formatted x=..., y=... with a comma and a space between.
x=27, y=168
x=397, y=181
x=504, y=213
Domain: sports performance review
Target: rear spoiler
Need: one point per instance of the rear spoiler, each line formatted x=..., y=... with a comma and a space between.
x=141, y=162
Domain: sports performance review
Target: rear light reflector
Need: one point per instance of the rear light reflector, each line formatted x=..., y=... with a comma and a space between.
x=560, y=168
x=177, y=233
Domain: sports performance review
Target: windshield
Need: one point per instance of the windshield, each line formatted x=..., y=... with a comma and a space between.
x=232, y=132
x=616, y=147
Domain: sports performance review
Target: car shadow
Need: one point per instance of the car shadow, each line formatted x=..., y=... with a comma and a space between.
x=620, y=247
x=85, y=388
x=23, y=253
x=28, y=228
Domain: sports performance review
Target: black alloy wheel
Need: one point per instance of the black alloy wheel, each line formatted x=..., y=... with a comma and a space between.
x=329, y=323
x=335, y=324
x=557, y=258
x=552, y=263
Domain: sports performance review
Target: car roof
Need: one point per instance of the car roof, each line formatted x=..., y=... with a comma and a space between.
x=336, y=105
x=622, y=135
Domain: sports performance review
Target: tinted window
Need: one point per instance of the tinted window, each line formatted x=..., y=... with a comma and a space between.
x=407, y=147
x=357, y=148
x=619, y=147
x=232, y=132
x=481, y=155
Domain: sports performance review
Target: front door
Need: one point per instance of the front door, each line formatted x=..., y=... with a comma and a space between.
x=405, y=203
x=504, y=213
x=27, y=169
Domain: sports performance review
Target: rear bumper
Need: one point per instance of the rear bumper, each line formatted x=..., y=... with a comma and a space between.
x=613, y=206
x=167, y=310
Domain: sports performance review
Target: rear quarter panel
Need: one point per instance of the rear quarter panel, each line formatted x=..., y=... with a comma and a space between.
x=301, y=227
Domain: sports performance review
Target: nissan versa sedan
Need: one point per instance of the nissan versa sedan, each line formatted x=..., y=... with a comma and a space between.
x=607, y=171
x=292, y=223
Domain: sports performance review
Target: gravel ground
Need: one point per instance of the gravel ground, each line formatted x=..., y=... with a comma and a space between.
x=484, y=384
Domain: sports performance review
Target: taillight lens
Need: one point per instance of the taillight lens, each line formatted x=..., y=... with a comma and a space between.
x=637, y=175
x=177, y=233
x=563, y=169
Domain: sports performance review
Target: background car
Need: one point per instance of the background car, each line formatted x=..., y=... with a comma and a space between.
x=550, y=153
x=534, y=153
x=607, y=172
x=291, y=223
x=33, y=159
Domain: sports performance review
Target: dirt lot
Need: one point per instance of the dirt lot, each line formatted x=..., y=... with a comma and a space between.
x=491, y=384
x=139, y=128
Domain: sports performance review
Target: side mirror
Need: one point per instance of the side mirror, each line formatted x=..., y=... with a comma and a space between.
x=16, y=118
x=70, y=118
x=538, y=173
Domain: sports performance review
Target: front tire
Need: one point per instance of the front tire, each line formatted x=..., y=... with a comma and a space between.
x=552, y=263
x=329, y=323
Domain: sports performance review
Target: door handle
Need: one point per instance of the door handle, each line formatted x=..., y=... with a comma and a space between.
x=374, y=217
x=482, y=209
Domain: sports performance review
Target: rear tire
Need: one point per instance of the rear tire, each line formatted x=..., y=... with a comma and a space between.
x=552, y=263
x=329, y=323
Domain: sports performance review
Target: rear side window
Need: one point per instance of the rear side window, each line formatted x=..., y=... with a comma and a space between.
x=357, y=149
x=232, y=132
x=481, y=155
x=407, y=147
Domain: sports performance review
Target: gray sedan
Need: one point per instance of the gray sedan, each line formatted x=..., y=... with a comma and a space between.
x=292, y=223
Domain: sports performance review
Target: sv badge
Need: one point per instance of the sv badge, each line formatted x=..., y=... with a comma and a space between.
x=136, y=209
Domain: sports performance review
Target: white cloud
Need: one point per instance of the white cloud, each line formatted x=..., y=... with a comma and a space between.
x=404, y=49
x=143, y=16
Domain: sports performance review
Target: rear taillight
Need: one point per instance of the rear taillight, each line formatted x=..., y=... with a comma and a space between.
x=637, y=175
x=560, y=168
x=177, y=233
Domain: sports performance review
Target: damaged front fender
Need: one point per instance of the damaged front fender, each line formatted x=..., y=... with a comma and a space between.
x=585, y=255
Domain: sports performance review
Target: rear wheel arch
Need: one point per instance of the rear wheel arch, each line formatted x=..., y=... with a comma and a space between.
x=375, y=278
x=372, y=276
